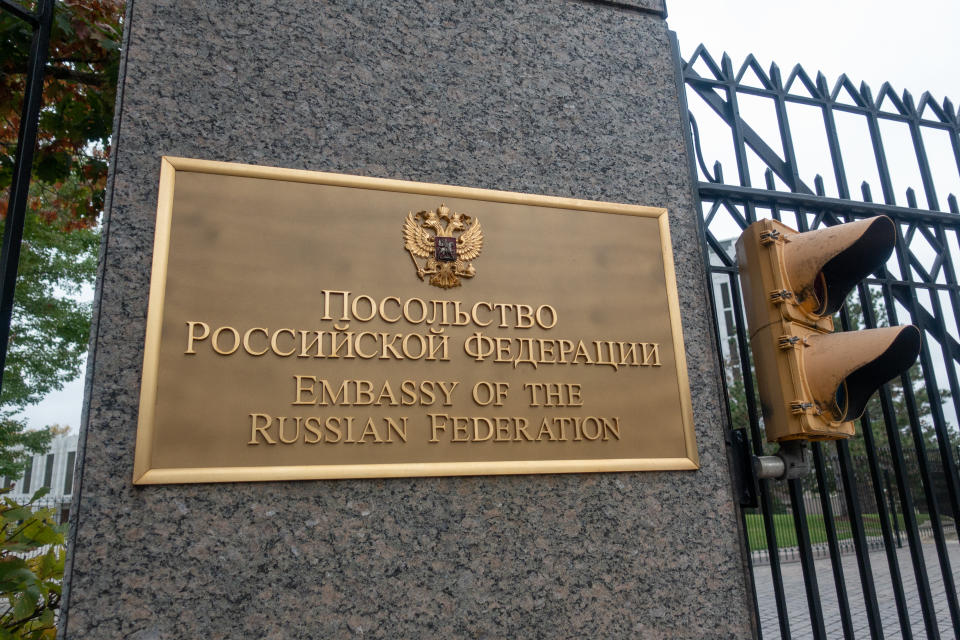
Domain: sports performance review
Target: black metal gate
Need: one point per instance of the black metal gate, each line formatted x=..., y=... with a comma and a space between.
x=40, y=21
x=867, y=545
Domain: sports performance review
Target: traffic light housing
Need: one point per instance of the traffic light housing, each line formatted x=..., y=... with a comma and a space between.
x=814, y=383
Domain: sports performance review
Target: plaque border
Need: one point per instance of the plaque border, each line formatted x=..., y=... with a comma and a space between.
x=143, y=474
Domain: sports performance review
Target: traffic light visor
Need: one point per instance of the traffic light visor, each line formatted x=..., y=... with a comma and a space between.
x=844, y=369
x=824, y=265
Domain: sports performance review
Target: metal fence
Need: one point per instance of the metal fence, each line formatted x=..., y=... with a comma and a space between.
x=797, y=148
x=825, y=496
x=59, y=511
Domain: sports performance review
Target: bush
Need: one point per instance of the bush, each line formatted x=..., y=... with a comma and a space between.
x=31, y=569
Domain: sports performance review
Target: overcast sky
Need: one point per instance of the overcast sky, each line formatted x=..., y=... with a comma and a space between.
x=913, y=45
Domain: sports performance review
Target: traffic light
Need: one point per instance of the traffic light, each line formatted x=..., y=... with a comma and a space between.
x=813, y=383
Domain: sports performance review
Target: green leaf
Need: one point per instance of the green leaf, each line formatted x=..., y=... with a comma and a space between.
x=10, y=565
x=17, y=515
x=47, y=535
x=24, y=607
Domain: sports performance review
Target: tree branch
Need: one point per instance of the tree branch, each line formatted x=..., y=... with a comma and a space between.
x=79, y=60
x=62, y=73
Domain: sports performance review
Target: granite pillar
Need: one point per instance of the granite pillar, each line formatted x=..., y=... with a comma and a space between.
x=559, y=97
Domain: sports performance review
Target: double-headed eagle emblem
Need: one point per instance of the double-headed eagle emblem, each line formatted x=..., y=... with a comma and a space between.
x=448, y=256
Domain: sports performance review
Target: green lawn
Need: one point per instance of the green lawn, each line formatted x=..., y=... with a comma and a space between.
x=787, y=534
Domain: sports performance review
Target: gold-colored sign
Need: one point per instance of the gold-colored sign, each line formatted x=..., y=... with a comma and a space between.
x=287, y=338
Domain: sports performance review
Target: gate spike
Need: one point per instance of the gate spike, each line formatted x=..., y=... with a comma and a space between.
x=908, y=102
x=751, y=64
x=865, y=190
x=952, y=203
x=775, y=76
x=948, y=107
x=839, y=86
x=704, y=55
x=927, y=100
x=886, y=91
x=818, y=185
x=822, y=86
x=718, y=171
x=701, y=49
x=911, y=198
x=768, y=177
x=727, y=65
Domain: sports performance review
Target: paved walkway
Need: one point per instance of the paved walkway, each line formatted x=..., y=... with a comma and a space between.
x=799, y=616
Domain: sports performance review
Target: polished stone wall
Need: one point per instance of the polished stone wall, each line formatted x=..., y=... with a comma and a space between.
x=560, y=97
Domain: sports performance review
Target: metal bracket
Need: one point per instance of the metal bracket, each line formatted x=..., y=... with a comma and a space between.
x=770, y=237
x=798, y=407
x=790, y=462
x=744, y=478
x=776, y=297
x=788, y=342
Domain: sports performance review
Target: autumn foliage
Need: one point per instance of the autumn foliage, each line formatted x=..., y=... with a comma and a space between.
x=70, y=164
x=51, y=315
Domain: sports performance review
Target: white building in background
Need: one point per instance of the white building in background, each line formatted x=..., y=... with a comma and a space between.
x=54, y=469
x=726, y=318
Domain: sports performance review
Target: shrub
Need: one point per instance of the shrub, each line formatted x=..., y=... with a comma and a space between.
x=31, y=569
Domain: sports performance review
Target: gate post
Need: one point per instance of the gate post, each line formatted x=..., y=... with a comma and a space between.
x=577, y=99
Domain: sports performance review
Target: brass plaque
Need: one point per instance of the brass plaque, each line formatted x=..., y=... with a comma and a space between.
x=307, y=325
